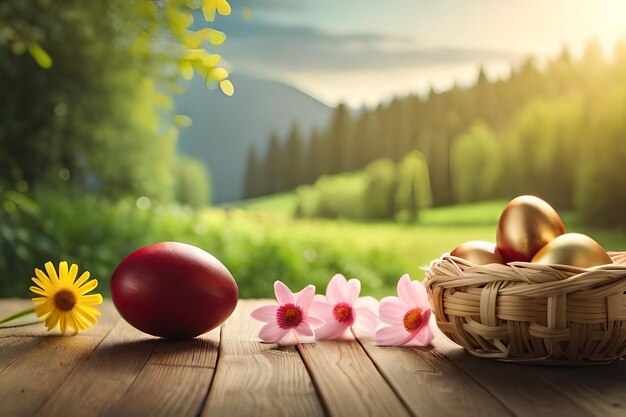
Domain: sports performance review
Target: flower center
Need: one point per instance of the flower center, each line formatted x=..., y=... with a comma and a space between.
x=412, y=320
x=288, y=316
x=65, y=300
x=343, y=313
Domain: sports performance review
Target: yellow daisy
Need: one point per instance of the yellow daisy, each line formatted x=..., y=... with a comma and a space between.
x=62, y=298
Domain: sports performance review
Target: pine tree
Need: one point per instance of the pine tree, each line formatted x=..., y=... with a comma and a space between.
x=253, y=186
x=274, y=167
x=294, y=161
x=338, y=139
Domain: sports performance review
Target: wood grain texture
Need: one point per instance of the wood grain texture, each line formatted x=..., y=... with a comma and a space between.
x=16, y=341
x=105, y=376
x=599, y=390
x=174, y=381
x=347, y=380
x=28, y=382
x=515, y=385
x=429, y=384
x=258, y=379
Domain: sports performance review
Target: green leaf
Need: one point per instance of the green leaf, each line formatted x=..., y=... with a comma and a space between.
x=182, y=121
x=40, y=56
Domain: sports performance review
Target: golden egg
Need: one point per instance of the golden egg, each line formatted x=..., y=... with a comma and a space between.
x=478, y=252
x=573, y=249
x=526, y=225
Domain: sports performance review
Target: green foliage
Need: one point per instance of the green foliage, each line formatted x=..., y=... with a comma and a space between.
x=476, y=161
x=600, y=181
x=532, y=133
x=382, y=191
x=413, y=192
x=338, y=196
x=379, y=198
x=192, y=184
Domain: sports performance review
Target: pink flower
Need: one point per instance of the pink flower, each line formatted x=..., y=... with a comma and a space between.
x=407, y=316
x=342, y=309
x=291, y=316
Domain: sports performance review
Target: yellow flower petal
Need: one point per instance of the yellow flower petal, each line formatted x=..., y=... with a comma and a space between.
x=223, y=7
x=73, y=323
x=63, y=323
x=44, y=310
x=82, y=322
x=90, y=300
x=80, y=281
x=84, y=289
x=44, y=278
x=53, y=319
x=227, y=87
x=88, y=313
x=38, y=290
x=52, y=274
x=63, y=273
x=43, y=285
x=71, y=276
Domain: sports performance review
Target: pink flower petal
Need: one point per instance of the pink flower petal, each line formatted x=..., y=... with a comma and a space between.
x=320, y=298
x=330, y=330
x=392, y=311
x=366, y=320
x=367, y=302
x=424, y=337
x=354, y=289
x=272, y=333
x=407, y=292
x=321, y=310
x=393, y=336
x=283, y=294
x=314, y=321
x=305, y=298
x=265, y=313
x=304, y=329
x=337, y=290
x=422, y=295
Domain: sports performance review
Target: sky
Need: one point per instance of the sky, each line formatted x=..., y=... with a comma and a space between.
x=363, y=52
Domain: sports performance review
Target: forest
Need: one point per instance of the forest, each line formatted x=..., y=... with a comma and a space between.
x=555, y=130
x=90, y=171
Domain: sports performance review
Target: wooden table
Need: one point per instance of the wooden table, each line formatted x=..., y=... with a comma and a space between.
x=115, y=370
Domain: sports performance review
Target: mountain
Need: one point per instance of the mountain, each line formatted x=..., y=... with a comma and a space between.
x=224, y=127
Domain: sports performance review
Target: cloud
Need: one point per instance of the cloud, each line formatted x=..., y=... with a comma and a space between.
x=266, y=46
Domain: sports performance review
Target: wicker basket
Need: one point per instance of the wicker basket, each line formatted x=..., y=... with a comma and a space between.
x=524, y=312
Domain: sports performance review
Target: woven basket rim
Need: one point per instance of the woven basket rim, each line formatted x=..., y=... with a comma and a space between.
x=531, y=313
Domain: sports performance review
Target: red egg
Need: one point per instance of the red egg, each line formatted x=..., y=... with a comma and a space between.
x=173, y=290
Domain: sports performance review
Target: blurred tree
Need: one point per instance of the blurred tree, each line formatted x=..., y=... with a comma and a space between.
x=192, y=183
x=275, y=170
x=413, y=192
x=80, y=96
x=381, y=188
x=294, y=159
x=338, y=137
x=475, y=164
x=600, y=174
x=253, y=186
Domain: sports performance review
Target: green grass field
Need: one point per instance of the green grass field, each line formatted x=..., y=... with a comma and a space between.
x=300, y=251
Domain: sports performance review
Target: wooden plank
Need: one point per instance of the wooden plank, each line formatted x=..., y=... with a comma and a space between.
x=16, y=341
x=516, y=386
x=600, y=389
x=27, y=383
x=258, y=379
x=175, y=380
x=347, y=380
x=105, y=376
x=429, y=384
